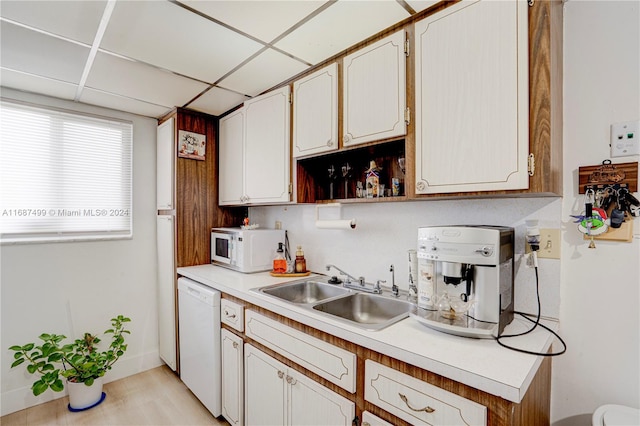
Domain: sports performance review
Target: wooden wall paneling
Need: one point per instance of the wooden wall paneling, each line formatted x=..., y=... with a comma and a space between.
x=545, y=95
x=197, y=208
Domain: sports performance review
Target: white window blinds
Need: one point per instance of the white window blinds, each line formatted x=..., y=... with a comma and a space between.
x=64, y=176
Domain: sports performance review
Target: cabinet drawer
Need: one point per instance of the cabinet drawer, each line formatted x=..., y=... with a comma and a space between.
x=232, y=314
x=418, y=402
x=369, y=419
x=326, y=360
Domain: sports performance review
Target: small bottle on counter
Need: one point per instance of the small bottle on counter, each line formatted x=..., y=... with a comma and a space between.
x=279, y=262
x=301, y=263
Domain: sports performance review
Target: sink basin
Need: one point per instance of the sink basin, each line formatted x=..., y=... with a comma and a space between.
x=365, y=310
x=305, y=292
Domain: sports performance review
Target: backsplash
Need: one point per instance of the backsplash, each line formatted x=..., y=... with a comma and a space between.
x=385, y=231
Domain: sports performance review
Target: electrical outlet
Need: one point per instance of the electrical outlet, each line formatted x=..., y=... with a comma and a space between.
x=625, y=139
x=549, y=244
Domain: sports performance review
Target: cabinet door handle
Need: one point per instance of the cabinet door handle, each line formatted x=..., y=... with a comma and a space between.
x=291, y=380
x=235, y=345
x=426, y=409
x=280, y=374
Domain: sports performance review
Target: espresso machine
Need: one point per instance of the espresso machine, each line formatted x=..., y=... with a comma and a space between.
x=465, y=279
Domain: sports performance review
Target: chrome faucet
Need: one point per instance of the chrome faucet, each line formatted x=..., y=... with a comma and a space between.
x=357, y=283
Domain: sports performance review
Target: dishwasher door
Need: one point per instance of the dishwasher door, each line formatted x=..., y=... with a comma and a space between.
x=199, y=335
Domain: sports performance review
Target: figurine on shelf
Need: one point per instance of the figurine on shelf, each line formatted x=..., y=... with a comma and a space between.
x=372, y=181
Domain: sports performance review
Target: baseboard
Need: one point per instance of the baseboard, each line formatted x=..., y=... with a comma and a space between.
x=18, y=399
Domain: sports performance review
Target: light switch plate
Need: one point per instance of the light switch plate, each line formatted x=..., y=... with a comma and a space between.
x=625, y=139
x=549, y=244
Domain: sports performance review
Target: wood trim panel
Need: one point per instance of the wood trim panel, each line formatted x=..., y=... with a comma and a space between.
x=197, y=209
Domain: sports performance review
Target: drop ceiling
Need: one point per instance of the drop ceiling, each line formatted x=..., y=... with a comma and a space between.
x=147, y=57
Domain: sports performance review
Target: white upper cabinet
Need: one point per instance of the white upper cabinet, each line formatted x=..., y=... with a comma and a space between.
x=165, y=161
x=255, y=151
x=315, y=112
x=472, y=105
x=231, y=159
x=374, y=91
x=267, y=156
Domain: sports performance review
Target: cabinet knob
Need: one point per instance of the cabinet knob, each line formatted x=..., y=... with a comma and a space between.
x=235, y=345
x=420, y=186
x=280, y=374
x=291, y=380
x=329, y=143
x=345, y=139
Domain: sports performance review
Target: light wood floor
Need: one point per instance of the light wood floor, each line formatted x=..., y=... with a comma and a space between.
x=154, y=397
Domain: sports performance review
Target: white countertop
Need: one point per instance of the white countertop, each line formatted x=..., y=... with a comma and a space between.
x=479, y=363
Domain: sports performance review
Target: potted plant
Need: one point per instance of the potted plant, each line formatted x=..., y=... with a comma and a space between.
x=80, y=363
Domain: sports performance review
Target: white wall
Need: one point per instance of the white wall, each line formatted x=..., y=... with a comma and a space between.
x=385, y=232
x=599, y=314
x=70, y=288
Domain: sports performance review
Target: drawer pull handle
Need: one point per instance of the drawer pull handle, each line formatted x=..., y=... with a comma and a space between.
x=226, y=313
x=426, y=409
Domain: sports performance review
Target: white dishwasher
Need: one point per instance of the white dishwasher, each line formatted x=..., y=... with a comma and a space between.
x=199, y=328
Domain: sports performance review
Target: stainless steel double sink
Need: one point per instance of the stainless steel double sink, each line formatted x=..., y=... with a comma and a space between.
x=364, y=310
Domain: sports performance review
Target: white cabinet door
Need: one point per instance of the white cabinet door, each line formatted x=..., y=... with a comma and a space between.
x=166, y=290
x=374, y=91
x=265, y=388
x=267, y=155
x=232, y=378
x=278, y=395
x=472, y=106
x=231, y=159
x=165, y=161
x=315, y=112
x=312, y=404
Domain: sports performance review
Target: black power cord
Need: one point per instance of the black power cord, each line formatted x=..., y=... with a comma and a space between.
x=536, y=323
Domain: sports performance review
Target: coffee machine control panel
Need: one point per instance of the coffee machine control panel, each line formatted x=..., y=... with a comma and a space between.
x=459, y=244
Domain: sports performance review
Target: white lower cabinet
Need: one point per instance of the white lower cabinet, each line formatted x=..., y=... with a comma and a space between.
x=418, y=402
x=278, y=395
x=232, y=378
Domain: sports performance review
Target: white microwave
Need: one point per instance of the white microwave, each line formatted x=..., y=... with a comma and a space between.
x=245, y=250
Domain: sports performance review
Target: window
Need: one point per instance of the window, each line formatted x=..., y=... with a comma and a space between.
x=64, y=176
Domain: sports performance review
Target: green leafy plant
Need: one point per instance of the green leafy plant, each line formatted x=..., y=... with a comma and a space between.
x=78, y=362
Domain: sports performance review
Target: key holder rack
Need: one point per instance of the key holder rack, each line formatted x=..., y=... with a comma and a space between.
x=608, y=175
x=608, y=187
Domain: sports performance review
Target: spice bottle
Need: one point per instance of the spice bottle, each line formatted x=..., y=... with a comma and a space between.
x=301, y=263
x=279, y=262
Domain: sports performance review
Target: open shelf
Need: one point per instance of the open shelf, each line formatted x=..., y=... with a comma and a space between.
x=314, y=182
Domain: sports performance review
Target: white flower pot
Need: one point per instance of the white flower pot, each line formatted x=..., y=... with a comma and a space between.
x=82, y=396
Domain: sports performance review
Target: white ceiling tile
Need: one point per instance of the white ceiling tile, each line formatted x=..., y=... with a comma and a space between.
x=32, y=52
x=338, y=28
x=217, y=101
x=264, y=20
x=36, y=84
x=168, y=36
x=419, y=5
x=120, y=103
x=77, y=20
x=140, y=81
x=263, y=72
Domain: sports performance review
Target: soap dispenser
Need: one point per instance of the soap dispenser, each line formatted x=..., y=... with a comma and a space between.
x=279, y=262
x=301, y=263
